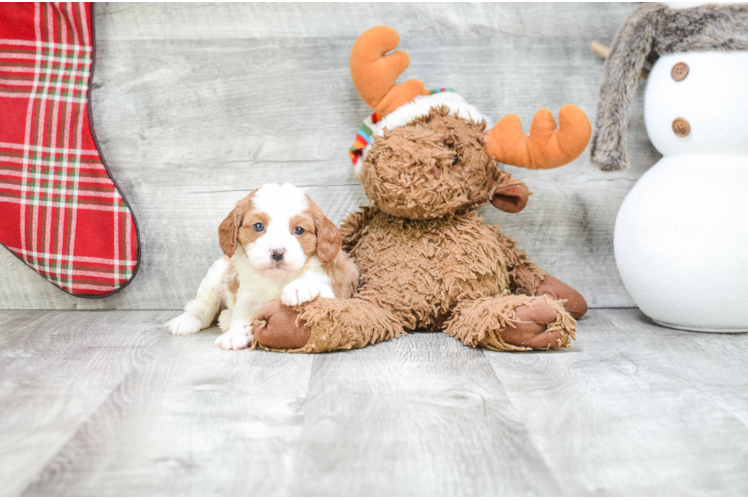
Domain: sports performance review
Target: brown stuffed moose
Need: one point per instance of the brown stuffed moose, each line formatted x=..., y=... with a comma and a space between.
x=427, y=261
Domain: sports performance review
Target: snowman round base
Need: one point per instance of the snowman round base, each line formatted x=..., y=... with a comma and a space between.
x=700, y=329
x=681, y=243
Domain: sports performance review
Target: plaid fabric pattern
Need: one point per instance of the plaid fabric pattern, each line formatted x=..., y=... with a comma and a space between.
x=60, y=211
x=363, y=137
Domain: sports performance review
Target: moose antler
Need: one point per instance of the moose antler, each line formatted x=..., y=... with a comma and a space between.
x=375, y=74
x=546, y=146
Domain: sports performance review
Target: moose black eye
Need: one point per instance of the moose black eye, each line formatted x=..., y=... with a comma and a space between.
x=259, y=227
x=298, y=231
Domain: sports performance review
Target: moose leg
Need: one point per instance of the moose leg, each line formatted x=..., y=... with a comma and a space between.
x=512, y=323
x=324, y=325
x=527, y=278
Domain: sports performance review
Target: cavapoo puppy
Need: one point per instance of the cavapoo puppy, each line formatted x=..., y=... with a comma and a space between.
x=278, y=245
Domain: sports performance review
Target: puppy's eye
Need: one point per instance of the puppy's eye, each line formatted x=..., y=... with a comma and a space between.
x=298, y=231
x=455, y=160
x=259, y=227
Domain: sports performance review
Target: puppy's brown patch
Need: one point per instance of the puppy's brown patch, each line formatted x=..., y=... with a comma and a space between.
x=344, y=275
x=231, y=277
x=251, y=216
x=228, y=231
x=308, y=240
x=329, y=239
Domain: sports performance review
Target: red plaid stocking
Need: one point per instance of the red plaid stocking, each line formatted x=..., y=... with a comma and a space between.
x=60, y=210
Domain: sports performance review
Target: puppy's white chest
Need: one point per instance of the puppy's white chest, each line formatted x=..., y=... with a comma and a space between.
x=259, y=288
x=256, y=288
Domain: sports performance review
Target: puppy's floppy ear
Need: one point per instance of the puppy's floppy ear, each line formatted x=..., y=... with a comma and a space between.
x=329, y=238
x=228, y=231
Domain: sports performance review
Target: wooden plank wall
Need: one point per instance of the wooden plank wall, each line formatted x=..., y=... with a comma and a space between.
x=195, y=105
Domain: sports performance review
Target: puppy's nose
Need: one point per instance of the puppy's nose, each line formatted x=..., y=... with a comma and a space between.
x=277, y=254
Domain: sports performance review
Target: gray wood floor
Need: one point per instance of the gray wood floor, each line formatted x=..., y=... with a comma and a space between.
x=107, y=403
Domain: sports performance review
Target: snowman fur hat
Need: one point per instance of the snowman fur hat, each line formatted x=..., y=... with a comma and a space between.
x=657, y=28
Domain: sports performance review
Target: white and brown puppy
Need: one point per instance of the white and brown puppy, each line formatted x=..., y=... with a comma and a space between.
x=278, y=245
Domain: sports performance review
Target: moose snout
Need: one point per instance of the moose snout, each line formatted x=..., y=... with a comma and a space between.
x=277, y=254
x=436, y=171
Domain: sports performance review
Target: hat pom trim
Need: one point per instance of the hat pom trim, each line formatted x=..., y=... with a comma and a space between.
x=421, y=106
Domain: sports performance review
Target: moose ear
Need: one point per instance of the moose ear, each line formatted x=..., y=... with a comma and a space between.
x=509, y=194
x=228, y=231
x=329, y=238
x=511, y=199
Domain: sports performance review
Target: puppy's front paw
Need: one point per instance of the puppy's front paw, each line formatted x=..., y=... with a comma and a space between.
x=235, y=339
x=299, y=291
x=185, y=324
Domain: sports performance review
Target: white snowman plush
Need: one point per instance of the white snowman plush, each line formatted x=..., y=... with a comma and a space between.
x=681, y=236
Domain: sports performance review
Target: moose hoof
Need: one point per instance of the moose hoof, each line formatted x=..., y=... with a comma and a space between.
x=281, y=330
x=531, y=327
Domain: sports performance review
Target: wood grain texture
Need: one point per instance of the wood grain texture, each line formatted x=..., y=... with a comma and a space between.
x=423, y=415
x=637, y=409
x=195, y=105
x=56, y=369
x=96, y=403
x=195, y=420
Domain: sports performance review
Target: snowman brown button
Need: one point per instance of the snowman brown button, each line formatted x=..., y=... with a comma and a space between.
x=681, y=127
x=679, y=71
